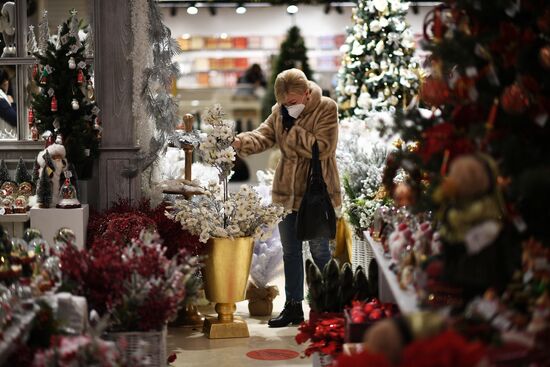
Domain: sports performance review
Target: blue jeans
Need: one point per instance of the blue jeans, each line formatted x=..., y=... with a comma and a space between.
x=292, y=257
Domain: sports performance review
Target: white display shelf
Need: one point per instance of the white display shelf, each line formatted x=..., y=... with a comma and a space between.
x=389, y=288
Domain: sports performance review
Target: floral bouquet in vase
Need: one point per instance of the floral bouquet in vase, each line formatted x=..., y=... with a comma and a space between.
x=228, y=224
x=217, y=213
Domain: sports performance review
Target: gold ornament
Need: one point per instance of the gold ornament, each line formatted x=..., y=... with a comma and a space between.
x=387, y=92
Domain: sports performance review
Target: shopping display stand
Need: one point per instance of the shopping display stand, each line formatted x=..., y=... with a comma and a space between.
x=388, y=285
x=50, y=220
x=14, y=223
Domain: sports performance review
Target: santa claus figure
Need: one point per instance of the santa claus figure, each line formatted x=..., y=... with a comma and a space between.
x=55, y=167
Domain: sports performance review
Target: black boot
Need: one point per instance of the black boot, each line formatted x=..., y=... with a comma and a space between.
x=291, y=314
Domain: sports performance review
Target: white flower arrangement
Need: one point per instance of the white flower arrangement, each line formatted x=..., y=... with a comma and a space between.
x=215, y=146
x=241, y=215
x=216, y=213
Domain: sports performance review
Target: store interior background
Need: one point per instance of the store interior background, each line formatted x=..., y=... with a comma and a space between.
x=208, y=39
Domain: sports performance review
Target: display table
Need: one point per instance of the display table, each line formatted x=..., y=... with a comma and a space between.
x=14, y=224
x=389, y=288
x=49, y=221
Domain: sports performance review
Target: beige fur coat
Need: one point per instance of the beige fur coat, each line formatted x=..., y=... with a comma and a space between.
x=318, y=121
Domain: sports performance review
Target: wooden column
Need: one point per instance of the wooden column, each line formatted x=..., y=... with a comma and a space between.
x=114, y=79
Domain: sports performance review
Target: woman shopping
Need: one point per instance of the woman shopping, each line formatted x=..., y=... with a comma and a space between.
x=300, y=117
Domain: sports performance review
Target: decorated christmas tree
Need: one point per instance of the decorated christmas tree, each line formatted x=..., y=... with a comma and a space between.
x=4, y=173
x=378, y=72
x=65, y=103
x=22, y=173
x=293, y=54
x=482, y=150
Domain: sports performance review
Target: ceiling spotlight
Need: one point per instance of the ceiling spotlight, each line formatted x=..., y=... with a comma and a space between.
x=192, y=9
x=292, y=9
x=241, y=9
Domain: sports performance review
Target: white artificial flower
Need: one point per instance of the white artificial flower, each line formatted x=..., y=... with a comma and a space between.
x=375, y=26
x=384, y=65
x=384, y=22
x=358, y=48
x=408, y=39
x=344, y=48
x=379, y=47
x=380, y=5
x=364, y=101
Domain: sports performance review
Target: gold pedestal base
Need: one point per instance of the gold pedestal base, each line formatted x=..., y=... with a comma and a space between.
x=216, y=329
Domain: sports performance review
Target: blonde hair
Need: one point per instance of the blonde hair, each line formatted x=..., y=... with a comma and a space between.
x=290, y=81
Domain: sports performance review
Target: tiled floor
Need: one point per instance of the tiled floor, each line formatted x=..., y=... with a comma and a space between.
x=194, y=349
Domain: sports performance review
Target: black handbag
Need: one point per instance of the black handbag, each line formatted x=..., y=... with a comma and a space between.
x=316, y=218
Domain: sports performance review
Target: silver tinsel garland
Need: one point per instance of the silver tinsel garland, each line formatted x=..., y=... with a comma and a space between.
x=156, y=81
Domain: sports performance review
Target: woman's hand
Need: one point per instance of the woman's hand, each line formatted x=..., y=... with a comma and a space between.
x=236, y=144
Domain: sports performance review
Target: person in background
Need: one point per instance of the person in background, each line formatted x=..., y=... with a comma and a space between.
x=8, y=114
x=300, y=117
x=255, y=76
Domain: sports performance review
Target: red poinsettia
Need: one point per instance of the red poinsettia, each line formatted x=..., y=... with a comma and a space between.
x=326, y=335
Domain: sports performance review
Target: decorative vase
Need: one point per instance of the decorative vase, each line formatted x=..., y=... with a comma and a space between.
x=225, y=275
x=260, y=299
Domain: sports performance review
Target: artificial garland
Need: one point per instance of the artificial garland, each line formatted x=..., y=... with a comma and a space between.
x=152, y=81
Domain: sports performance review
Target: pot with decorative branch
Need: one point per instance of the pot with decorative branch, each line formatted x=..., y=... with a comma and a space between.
x=228, y=224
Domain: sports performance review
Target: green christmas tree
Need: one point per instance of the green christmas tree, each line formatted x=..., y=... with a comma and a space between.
x=378, y=72
x=44, y=190
x=484, y=154
x=22, y=173
x=4, y=173
x=293, y=54
x=65, y=103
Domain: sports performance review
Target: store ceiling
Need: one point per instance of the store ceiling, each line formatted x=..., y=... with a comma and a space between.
x=265, y=3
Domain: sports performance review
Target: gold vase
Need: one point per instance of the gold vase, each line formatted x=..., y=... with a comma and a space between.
x=225, y=273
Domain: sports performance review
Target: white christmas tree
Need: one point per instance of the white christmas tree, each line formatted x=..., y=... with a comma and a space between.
x=43, y=33
x=378, y=72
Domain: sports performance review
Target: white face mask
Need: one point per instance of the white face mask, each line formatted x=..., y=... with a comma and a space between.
x=296, y=110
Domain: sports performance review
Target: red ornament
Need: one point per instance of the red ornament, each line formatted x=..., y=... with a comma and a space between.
x=31, y=116
x=54, y=104
x=544, y=56
x=515, y=100
x=34, y=71
x=434, y=92
x=80, y=77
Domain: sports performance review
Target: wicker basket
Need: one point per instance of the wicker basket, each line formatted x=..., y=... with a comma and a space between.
x=154, y=343
x=361, y=253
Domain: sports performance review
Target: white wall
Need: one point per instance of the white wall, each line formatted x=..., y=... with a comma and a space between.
x=267, y=21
